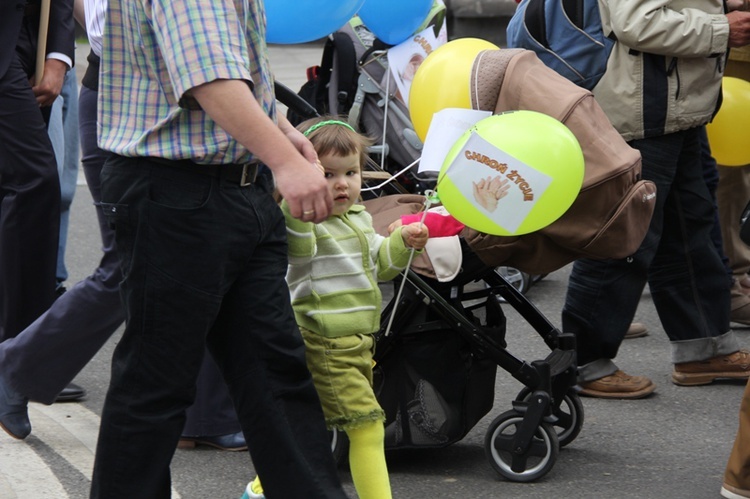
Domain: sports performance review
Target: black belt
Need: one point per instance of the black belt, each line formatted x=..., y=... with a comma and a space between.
x=244, y=175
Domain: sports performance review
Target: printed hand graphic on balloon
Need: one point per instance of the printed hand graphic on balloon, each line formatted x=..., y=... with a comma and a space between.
x=487, y=192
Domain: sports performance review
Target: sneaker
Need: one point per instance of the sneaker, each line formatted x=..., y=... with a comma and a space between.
x=249, y=494
x=731, y=492
x=636, y=330
x=618, y=386
x=734, y=366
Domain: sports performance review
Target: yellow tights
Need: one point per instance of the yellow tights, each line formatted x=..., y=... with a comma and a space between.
x=366, y=461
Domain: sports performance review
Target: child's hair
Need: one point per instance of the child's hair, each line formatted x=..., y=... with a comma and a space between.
x=334, y=136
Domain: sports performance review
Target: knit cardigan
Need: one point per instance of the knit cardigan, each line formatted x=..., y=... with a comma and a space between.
x=334, y=269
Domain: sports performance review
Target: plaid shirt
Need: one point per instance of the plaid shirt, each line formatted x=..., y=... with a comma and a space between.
x=154, y=52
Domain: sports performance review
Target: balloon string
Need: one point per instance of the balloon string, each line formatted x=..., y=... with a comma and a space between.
x=392, y=177
x=427, y=203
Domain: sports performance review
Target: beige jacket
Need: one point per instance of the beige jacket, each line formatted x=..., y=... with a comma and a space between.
x=664, y=73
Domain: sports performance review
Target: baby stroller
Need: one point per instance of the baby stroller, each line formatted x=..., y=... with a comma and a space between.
x=460, y=327
x=441, y=342
x=437, y=355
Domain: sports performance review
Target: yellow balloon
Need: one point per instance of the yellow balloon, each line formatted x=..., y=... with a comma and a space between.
x=512, y=173
x=443, y=80
x=727, y=133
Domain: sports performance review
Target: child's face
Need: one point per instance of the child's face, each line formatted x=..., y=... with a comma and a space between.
x=344, y=180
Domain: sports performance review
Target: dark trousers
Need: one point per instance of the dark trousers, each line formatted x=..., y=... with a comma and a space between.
x=204, y=262
x=678, y=259
x=29, y=206
x=48, y=354
x=212, y=413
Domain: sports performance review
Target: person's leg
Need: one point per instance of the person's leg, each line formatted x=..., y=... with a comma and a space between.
x=689, y=284
x=212, y=419
x=733, y=194
x=737, y=472
x=739, y=301
x=367, y=461
x=603, y=295
x=29, y=207
x=79, y=322
x=174, y=273
x=260, y=351
x=68, y=167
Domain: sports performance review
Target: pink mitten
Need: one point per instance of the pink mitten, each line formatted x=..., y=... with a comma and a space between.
x=438, y=225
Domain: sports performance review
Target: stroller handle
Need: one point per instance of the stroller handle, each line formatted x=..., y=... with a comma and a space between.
x=291, y=100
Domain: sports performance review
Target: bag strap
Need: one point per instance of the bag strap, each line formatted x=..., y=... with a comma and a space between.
x=535, y=21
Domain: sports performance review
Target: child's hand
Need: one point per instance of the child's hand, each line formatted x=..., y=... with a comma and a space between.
x=415, y=235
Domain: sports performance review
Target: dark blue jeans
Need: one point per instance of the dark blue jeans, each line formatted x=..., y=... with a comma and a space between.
x=677, y=258
x=204, y=262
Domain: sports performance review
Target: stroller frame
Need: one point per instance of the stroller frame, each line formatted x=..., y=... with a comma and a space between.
x=547, y=412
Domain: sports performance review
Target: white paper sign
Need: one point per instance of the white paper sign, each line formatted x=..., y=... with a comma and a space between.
x=406, y=57
x=446, y=127
x=502, y=187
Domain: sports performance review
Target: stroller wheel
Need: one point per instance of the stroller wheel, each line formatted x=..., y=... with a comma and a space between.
x=538, y=459
x=339, y=447
x=569, y=415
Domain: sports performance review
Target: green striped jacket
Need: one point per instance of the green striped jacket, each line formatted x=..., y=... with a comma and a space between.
x=334, y=269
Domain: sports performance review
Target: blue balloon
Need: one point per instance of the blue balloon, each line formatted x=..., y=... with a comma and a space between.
x=393, y=21
x=301, y=21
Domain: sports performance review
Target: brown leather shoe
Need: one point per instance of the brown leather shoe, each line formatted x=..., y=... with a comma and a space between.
x=732, y=492
x=618, y=386
x=735, y=366
x=636, y=330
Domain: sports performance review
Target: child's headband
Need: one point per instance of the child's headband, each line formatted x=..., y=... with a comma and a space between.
x=327, y=122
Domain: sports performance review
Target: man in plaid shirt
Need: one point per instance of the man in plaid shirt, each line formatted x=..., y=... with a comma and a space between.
x=186, y=106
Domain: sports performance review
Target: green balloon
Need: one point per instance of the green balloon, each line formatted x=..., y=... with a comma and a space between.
x=512, y=173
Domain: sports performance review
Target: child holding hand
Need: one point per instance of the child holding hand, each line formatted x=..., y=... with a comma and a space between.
x=334, y=269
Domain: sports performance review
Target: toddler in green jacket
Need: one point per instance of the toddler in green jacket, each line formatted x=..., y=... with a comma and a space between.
x=333, y=275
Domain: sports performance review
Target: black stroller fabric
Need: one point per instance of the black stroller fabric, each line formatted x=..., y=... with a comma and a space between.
x=430, y=381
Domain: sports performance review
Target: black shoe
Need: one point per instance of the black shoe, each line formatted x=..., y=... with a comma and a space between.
x=71, y=393
x=14, y=414
x=231, y=442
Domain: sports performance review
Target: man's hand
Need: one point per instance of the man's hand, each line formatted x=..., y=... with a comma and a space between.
x=233, y=107
x=50, y=87
x=306, y=192
x=302, y=143
x=739, y=28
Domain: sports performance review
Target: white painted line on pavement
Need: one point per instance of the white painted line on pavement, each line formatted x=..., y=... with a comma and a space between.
x=76, y=418
x=71, y=430
x=59, y=426
x=25, y=474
